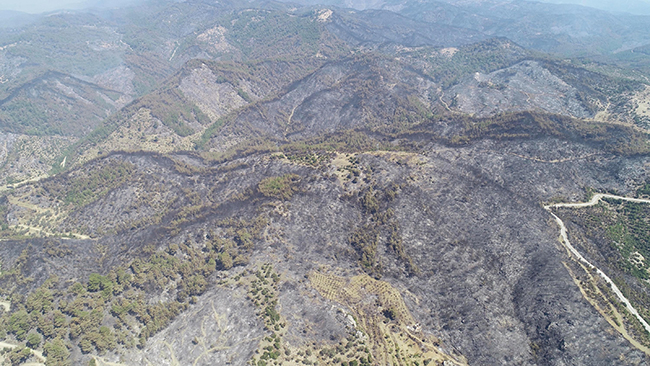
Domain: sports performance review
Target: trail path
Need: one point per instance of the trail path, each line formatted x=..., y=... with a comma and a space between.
x=290, y=118
x=442, y=95
x=554, y=160
x=565, y=240
x=22, y=183
x=102, y=362
x=173, y=53
x=39, y=210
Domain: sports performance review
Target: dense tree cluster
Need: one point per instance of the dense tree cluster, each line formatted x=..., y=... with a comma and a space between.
x=110, y=311
x=82, y=189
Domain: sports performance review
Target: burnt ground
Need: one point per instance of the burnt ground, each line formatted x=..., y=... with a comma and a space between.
x=490, y=281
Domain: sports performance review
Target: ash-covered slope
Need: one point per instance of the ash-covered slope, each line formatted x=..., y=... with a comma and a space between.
x=440, y=249
x=358, y=92
x=525, y=86
x=548, y=86
x=223, y=107
x=269, y=71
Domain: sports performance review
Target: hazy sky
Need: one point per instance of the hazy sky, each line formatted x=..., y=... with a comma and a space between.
x=630, y=6
x=39, y=6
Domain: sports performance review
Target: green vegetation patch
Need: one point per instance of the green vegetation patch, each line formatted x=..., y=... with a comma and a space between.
x=626, y=228
x=18, y=355
x=629, y=234
x=53, y=103
x=61, y=45
x=82, y=189
x=212, y=131
x=110, y=311
x=312, y=158
x=174, y=110
x=617, y=233
x=269, y=34
x=282, y=187
x=449, y=66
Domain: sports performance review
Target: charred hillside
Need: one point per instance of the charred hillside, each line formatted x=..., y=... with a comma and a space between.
x=445, y=236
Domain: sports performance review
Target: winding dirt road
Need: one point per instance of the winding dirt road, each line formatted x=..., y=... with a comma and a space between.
x=565, y=240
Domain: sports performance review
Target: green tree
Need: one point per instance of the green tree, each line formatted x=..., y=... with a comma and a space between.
x=46, y=326
x=57, y=353
x=97, y=282
x=40, y=301
x=19, y=324
x=19, y=355
x=225, y=260
x=86, y=345
x=94, y=282
x=33, y=340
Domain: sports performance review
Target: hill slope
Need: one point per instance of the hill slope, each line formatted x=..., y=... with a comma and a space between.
x=452, y=235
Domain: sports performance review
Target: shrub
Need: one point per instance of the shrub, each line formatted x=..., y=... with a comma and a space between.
x=279, y=187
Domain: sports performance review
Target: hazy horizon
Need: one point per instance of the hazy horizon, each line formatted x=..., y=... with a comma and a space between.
x=639, y=7
x=43, y=6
